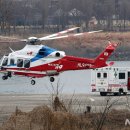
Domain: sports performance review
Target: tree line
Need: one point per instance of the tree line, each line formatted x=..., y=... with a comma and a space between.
x=37, y=14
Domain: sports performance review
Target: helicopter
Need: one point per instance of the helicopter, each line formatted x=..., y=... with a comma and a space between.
x=38, y=61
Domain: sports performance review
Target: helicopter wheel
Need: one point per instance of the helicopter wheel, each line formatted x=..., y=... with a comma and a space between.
x=33, y=82
x=9, y=74
x=4, y=77
x=52, y=79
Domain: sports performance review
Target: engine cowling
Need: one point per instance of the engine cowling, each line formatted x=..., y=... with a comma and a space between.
x=32, y=40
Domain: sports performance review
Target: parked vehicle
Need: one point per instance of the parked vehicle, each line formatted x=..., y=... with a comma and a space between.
x=115, y=80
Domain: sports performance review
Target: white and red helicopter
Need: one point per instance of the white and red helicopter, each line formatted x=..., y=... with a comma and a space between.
x=37, y=61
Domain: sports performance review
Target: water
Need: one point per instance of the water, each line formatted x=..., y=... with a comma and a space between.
x=68, y=82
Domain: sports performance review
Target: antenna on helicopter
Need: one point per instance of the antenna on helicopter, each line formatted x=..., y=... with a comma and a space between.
x=11, y=49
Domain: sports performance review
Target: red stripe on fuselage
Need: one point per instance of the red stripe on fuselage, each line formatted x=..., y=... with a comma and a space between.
x=66, y=63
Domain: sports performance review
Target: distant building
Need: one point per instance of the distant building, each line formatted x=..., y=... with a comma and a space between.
x=60, y=17
x=92, y=23
x=75, y=16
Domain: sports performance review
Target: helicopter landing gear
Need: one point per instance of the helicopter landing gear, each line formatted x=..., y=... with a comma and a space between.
x=9, y=74
x=33, y=82
x=52, y=79
x=4, y=77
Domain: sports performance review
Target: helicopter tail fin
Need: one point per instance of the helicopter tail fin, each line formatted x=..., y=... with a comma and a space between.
x=100, y=61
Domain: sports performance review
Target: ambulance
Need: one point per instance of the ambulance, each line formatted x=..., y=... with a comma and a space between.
x=111, y=80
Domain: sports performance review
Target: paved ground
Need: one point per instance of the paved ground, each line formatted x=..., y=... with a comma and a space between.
x=79, y=102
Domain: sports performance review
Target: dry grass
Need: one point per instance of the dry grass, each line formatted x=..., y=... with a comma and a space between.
x=43, y=118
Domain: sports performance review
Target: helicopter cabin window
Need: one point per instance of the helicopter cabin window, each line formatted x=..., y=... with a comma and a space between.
x=5, y=62
x=20, y=63
x=121, y=75
x=26, y=63
x=42, y=52
x=12, y=62
x=98, y=75
x=105, y=75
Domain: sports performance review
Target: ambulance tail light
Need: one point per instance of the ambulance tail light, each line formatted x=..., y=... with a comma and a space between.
x=93, y=88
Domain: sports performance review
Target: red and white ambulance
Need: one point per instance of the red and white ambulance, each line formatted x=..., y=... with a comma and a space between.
x=115, y=80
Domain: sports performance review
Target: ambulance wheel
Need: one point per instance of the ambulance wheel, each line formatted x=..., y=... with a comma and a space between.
x=52, y=79
x=4, y=77
x=121, y=91
x=103, y=93
x=116, y=94
x=33, y=82
x=125, y=93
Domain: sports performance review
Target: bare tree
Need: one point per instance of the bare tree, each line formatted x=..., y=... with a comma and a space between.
x=6, y=8
x=42, y=7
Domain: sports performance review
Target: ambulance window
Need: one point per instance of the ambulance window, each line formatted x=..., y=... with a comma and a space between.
x=5, y=62
x=128, y=74
x=105, y=75
x=98, y=75
x=19, y=63
x=121, y=75
x=11, y=61
x=26, y=63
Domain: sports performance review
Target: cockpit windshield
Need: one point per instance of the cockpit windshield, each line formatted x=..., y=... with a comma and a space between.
x=45, y=51
x=4, y=61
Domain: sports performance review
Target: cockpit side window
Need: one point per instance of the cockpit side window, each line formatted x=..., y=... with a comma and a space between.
x=42, y=52
x=12, y=61
x=5, y=62
x=20, y=63
x=26, y=63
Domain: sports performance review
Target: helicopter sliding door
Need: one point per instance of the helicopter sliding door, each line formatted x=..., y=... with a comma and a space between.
x=20, y=63
x=23, y=63
x=26, y=63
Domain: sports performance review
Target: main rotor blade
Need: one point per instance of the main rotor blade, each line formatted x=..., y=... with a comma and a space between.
x=95, y=31
x=24, y=40
x=58, y=34
x=73, y=35
x=5, y=37
x=66, y=36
